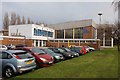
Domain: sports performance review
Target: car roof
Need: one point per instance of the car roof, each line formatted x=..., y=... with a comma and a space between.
x=14, y=51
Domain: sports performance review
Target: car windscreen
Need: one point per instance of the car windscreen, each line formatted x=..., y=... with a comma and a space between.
x=37, y=50
x=67, y=49
x=22, y=55
x=56, y=50
x=61, y=50
x=48, y=51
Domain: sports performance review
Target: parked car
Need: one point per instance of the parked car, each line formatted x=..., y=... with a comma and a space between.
x=83, y=50
x=20, y=45
x=41, y=58
x=87, y=49
x=63, y=52
x=10, y=46
x=57, y=57
x=90, y=48
x=16, y=61
x=3, y=47
x=69, y=51
x=77, y=49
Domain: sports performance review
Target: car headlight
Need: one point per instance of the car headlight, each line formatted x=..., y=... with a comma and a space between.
x=43, y=59
x=69, y=55
x=57, y=57
x=52, y=57
x=19, y=66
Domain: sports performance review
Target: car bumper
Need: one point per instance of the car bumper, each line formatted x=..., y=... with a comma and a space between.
x=22, y=69
x=45, y=64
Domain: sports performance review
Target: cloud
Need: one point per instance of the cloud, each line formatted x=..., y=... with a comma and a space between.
x=57, y=12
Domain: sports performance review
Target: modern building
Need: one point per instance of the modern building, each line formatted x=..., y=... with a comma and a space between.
x=30, y=34
x=78, y=33
x=81, y=32
x=82, y=29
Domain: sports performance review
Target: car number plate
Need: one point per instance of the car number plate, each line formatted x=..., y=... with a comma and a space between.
x=28, y=62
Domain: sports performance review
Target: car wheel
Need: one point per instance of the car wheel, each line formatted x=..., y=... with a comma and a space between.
x=37, y=65
x=9, y=72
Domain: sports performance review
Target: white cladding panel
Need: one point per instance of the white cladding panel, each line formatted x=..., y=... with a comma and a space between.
x=28, y=31
x=24, y=30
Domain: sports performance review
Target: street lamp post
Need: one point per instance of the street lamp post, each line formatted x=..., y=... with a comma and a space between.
x=100, y=14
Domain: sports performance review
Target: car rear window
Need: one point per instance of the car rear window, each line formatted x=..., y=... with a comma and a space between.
x=23, y=55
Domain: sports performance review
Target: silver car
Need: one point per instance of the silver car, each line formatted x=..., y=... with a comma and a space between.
x=16, y=61
x=3, y=47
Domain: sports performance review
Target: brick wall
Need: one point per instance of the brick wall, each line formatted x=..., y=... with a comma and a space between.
x=95, y=44
x=15, y=41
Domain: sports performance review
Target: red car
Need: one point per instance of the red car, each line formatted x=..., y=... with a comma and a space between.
x=42, y=59
x=83, y=50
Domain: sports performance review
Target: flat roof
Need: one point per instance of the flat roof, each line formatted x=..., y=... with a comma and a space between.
x=33, y=25
x=73, y=24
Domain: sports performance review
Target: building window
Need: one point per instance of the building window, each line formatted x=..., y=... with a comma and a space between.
x=78, y=33
x=43, y=33
x=50, y=34
x=69, y=33
x=60, y=34
x=44, y=43
x=61, y=41
x=65, y=41
x=56, y=40
x=35, y=31
x=94, y=33
x=38, y=32
x=36, y=43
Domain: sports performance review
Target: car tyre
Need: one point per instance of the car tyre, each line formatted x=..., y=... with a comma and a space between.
x=9, y=72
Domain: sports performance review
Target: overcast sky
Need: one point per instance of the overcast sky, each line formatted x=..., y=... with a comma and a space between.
x=57, y=12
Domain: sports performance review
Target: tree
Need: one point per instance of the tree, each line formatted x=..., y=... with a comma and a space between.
x=13, y=18
x=23, y=20
x=29, y=22
x=18, y=20
x=37, y=23
x=6, y=21
x=116, y=33
x=32, y=22
x=107, y=29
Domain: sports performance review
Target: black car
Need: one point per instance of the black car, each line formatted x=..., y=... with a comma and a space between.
x=69, y=51
x=63, y=52
x=76, y=49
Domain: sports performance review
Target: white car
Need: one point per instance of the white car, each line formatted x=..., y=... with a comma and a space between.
x=87, y=49
x=90, y=48
x=3, y=47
